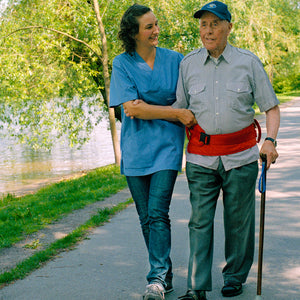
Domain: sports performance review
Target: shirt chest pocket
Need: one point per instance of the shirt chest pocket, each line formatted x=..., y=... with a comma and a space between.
x=238, y=87
x=198, y=94
x=239, y=94
x=196, y=89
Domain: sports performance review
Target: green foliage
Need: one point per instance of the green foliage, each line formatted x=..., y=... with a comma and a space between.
x=43, y=70
x=283, y=84
x=288, y=96
x=48, y=88
x=270, y=29
x=24, y=215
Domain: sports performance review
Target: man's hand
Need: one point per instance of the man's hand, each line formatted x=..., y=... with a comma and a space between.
x=268, y=149
x=186, y=117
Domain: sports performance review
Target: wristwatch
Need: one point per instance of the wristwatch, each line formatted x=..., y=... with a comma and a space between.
x=272, y=140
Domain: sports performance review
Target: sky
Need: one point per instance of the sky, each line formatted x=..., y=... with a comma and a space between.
x=3, y=4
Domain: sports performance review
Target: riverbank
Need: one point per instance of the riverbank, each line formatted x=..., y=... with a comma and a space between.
x=24, y=170
x=30, y=224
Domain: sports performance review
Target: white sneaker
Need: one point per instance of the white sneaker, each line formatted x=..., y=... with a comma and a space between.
x=154, y=291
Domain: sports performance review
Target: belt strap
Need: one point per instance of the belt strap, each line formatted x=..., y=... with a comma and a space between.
x=222, y=144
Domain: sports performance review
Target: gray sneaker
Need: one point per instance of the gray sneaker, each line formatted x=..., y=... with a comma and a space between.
x=154, y=291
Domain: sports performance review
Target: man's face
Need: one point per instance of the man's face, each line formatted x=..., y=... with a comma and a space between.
x=214, y=33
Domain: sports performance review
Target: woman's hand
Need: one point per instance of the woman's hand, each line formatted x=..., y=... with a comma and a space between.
x=133, y=108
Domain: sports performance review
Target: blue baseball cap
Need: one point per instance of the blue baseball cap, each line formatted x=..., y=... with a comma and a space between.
x=216, y=7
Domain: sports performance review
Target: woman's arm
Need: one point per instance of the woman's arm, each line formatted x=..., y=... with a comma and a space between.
x=142, y=110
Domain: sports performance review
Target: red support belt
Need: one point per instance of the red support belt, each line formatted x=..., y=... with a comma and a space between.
x=222, y=144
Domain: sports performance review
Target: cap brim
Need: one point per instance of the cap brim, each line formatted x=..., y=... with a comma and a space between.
x=200, y=12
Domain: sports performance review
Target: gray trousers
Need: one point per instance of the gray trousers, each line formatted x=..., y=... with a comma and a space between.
x=238, y=186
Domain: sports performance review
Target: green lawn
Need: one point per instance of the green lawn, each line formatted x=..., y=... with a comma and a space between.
x=20, y=216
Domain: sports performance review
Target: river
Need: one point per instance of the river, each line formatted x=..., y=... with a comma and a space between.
x=23, y=170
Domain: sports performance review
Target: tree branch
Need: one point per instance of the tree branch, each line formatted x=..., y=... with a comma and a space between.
x=59, y=32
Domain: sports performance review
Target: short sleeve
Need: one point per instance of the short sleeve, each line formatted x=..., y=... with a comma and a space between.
x=263, y=92
x=122, y=88
x=181, y=94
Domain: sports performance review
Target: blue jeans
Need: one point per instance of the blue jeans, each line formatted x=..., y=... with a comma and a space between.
x=152, y=196
x=238, y=186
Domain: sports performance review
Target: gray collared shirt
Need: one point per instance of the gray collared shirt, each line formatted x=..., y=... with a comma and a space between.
x=221, y=94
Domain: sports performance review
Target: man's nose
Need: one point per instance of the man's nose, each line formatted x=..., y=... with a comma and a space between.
x=209, y=29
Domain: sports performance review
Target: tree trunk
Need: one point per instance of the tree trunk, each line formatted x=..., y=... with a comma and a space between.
x=112, y=120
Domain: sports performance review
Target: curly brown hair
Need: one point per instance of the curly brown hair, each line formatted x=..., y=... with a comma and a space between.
x=129, y=26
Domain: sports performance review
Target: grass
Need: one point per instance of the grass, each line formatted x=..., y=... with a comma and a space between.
x=39, y=258
x=285, y=97
x=20, y=216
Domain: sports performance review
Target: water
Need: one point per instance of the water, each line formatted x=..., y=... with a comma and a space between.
x=23, y=170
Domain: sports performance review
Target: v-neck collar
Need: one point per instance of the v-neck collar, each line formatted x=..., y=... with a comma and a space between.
x=140, y=59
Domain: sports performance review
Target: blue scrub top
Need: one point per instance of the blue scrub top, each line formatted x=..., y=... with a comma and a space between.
x=147, y=146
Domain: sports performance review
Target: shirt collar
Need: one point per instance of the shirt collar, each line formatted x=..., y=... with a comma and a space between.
x=226, y=55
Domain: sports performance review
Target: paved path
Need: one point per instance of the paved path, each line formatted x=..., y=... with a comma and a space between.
x=112, y=263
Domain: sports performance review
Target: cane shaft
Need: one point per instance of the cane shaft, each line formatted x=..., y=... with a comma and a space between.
x=261, y=225
x=261, y=243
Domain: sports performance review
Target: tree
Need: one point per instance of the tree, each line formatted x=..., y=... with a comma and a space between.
x=54, y=76
x=106, y=77
x=268, y=28
x=75, y=63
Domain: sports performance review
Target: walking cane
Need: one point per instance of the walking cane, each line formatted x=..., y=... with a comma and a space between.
x=262, y=190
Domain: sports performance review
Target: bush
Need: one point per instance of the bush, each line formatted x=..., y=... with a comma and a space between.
x=283, y=84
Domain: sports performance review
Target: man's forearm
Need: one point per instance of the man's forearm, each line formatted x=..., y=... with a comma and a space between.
x=273, y=121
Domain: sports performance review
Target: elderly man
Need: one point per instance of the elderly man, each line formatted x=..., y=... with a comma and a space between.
x=219, y=84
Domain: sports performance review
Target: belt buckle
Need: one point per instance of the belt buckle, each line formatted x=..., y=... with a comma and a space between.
x=204, y=138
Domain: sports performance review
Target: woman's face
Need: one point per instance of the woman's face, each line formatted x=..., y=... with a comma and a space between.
x=148, y=31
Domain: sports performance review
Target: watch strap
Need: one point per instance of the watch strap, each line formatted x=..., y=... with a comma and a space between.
x=271, y=140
